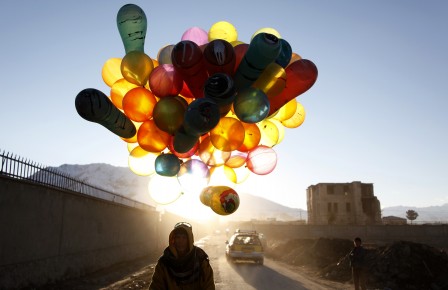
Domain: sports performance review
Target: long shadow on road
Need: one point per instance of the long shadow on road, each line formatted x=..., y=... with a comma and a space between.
x=263, y=277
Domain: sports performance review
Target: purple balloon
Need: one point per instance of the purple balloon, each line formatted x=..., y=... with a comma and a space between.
x=196, y=34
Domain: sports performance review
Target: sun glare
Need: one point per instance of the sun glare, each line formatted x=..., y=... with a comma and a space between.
x=190, y=207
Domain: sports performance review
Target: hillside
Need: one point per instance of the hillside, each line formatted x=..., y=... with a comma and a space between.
x=122, y=181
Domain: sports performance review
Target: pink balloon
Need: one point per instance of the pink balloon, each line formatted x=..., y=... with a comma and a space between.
x=261, y=160
x=196, y=34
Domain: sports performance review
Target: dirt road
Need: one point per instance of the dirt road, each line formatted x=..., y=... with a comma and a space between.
x=272, y=275
x=228, y=276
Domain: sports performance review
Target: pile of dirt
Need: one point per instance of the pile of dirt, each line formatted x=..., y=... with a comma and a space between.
x=401, y=265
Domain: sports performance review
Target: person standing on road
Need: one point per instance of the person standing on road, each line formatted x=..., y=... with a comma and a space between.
x=357, y=262
x=183, y=265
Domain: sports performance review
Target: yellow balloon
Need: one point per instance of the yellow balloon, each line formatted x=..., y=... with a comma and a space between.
x=267, y=30
x=222, y=175
x=242, y=174
x=225, y=200
x=286, y=111
x=281, y=130
x=269, y=133
x=272, y=80
x=297, y=119
x=141, y=162
x=132, y=146
x=223, y=30
x=236, y=42
x=136, y=67
x=111, y=71
x=206, y=195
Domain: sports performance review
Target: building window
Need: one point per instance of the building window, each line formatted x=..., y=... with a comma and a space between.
x=330, y=190
x=348, y=207
x=335, y=207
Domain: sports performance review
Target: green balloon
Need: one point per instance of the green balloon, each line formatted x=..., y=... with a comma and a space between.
x=94, y=106
x=131, y=22
x=263, y=49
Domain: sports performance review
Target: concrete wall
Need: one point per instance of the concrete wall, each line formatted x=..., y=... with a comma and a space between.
x=48, y=234
x=433, y=235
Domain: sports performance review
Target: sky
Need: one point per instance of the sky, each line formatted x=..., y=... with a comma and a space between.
x=376, y=114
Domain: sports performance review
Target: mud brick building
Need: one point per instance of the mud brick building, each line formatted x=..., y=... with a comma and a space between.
x=343, y=204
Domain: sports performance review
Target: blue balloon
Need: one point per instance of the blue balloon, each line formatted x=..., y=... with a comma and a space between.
x=251, y=105
x=201, y=116
x=285, y=55
x=167, y=164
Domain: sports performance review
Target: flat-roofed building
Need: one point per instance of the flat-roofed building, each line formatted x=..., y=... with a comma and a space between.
x=343, y=204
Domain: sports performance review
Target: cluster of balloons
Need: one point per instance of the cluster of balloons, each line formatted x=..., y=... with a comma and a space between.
x=207, y=105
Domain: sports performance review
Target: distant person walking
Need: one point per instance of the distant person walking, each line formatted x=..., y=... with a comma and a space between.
x=182, y=265
x=357, y=263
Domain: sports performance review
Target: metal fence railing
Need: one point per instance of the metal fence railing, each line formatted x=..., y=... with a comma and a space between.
x=20, y=168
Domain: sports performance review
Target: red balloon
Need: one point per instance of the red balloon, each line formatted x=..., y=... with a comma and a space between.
x=188, y=60
x=219, y=57
x=240, y=50
x=187, y=154
x=165, y=81
x=300, y=77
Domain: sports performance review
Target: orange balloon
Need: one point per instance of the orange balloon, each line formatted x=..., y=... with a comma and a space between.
x=210, y=155
x=252, y=137
x=294, y=57
x=151, y=138
x=228, y=135
x=237, y=159
x=118, y=90
x=138, y=104
x=136, y=67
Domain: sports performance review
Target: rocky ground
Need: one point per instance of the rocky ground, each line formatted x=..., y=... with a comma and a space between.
x=401, y=265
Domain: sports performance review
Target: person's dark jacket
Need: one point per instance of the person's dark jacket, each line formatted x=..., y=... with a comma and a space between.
x=192, y=271
x=357, y=258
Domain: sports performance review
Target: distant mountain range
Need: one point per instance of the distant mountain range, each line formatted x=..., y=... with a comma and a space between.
x=122, y=181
